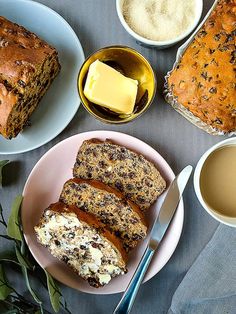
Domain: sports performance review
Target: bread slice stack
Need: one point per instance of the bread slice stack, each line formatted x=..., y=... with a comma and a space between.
x=102, y=208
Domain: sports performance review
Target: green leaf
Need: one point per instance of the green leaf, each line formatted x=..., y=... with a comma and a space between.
x=2, y=217
x=23, y=247
x=5, y=289
x=22, y=259
x=13, y=227
x=31, y=291
x=8, y=254
x=2, y=164
x=8, y=260
x=35, y=297
x=54, y=292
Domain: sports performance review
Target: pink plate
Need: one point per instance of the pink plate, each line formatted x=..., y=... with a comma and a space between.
x=44, y=185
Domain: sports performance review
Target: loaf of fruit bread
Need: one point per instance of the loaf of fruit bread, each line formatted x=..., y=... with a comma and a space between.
x=28, y=66
x=129, y=172
x=81, y=241
x=121, y=216
x=204, y=79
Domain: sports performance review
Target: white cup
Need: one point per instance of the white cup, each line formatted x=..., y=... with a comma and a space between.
x=154, y=43
x=230, y=221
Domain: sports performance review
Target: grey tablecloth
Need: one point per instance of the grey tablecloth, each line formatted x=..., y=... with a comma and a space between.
x=210, y=284
x=180, y=143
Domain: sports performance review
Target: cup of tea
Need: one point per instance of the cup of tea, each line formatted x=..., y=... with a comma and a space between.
x=215, y=181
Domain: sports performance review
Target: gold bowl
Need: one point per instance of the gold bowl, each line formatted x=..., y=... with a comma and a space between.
x=133, y=65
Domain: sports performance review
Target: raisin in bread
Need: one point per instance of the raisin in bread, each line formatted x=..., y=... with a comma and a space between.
x=28, y=66
x=204, y=80
x=129, y=172
x=121, y=216
x=79, y=240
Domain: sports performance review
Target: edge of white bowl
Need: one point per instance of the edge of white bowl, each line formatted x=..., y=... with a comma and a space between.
x=156, y=43
x=196, y=180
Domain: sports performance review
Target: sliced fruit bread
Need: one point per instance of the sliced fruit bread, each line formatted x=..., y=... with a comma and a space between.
x=129, y=172
x=82, y=242
x=121, y=216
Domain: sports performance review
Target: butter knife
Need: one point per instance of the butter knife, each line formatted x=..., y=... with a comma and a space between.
x=157, y=233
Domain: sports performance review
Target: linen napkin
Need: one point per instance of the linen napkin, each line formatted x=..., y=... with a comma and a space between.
x=209, y=287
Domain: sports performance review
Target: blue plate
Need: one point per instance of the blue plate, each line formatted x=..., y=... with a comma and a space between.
x=61, y=101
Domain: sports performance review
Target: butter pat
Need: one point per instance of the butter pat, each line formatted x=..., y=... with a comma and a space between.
x=108, y=88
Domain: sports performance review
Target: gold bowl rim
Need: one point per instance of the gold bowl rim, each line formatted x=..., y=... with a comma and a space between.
x=130, y=117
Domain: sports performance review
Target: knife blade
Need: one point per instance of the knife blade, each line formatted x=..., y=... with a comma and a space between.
x=157, y=233
x=169, y=206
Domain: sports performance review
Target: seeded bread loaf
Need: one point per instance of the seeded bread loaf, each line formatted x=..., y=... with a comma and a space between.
x=82, y=242
x=129, y=172
x=121, y=216
x=204, y=80
x=28, y=65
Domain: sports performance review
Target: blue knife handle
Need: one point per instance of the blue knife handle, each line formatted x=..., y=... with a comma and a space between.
x=127, y=300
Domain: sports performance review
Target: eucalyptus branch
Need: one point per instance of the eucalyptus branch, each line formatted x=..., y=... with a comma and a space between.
x=2, y=217
x=12, y=304
x=42, y=282
x=21, y=298
x=64, y=305
x=22, y=258
x=2, y=164
x=13, y=290
x=6, y=260
x=5, y=237
x=33, y=305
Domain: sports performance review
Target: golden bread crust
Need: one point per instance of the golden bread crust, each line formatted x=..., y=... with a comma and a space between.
x=204, y=80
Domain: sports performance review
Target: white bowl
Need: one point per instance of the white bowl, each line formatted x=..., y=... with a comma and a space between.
x=230, y=221
x=154, y=43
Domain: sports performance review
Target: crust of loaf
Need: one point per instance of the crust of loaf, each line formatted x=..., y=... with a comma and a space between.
x=204, y=79
x=130, y=214
x=28, y=66
x=100, y=185
x=93, y=222
x=82, y=242
x=21, y=53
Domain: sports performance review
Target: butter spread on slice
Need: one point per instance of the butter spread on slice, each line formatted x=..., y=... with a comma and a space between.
x=96, y=255
x=104, y=278
x=109, y=88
